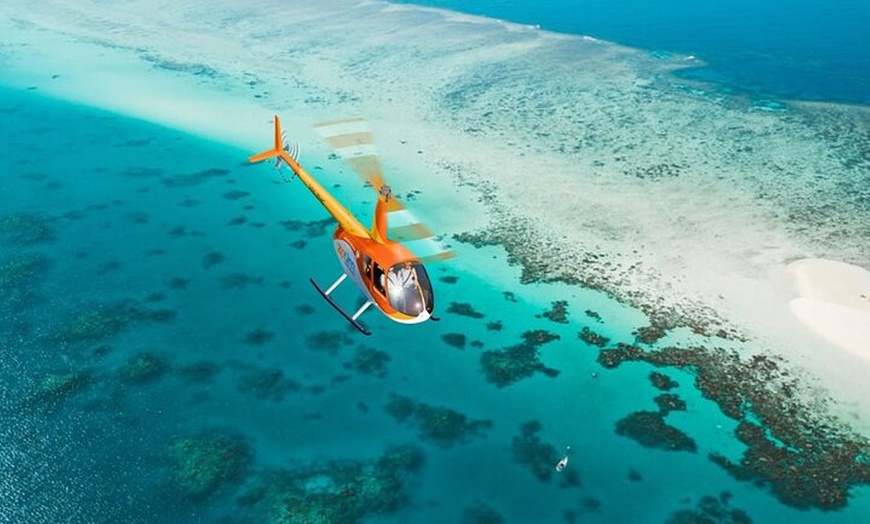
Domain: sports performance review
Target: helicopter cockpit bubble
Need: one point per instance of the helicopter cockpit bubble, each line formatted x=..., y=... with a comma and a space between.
x=408, y=289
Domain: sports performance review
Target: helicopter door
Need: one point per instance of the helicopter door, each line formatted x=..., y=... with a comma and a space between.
x=378, y=278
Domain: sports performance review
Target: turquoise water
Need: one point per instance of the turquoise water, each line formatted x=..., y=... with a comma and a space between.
x=164, y=360
x=793, y=49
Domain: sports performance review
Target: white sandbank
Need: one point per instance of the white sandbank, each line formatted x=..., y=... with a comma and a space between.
x=834, y=302
x=684, y=193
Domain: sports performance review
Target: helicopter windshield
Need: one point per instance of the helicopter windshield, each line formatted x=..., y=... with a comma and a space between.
x=408, y=289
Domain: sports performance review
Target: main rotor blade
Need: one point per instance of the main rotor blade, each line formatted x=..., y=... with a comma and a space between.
x=353, y=141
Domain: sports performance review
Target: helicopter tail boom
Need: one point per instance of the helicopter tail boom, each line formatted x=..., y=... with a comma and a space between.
x=271, y=153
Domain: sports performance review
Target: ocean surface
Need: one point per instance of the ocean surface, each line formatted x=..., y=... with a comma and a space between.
x=800, y=49
x=164, y=359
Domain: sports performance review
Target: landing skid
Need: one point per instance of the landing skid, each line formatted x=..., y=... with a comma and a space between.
x=351, y=319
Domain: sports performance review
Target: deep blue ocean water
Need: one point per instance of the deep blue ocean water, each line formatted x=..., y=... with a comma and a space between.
x=800, y=49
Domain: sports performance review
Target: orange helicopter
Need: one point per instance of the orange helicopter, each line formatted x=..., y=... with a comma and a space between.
x=387, y=266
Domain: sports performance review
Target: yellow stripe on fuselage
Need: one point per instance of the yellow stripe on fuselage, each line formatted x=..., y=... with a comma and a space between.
x=344, y=217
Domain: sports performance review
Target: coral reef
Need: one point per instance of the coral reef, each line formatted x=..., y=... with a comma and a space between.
x=212, y=259
x=201, y=464
x=194, y=179
x=504, y=367
x=649, y=429
x=494, y=326
x=144, y=367
x=463, y=308
x=105, y=320
x=713, y=510
x=662, y=381
x=235, y=194
x=55, y=387
x=313, y=228
x=539, y=457
x=592, y=338
x=668, y=402
x=335, y=492
x=24, y=229
x=480, y=513
x=456, y=340
x=267, y=384
x=239, y=281
x=329, y=342
x=258, y=337
x=369, y=361
x=807, y=458
x=438, y=424
x=200, y=371
x=558, y=313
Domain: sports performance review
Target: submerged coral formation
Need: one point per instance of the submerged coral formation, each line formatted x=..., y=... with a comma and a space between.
x=456, y=340
x=202, y=463
x=143, y=367
x=480, y=513
x=369, y=361
x=807, y=459
x=336, y=491
x=55, y=387
x=504, y=367
x=465, y=309
x=529, y=451
x=441, y=425
x=649, y=429
x=24, y=229
x=104, y=320
x=711, y=509
x=267, y=384
x=662, y=381
x=328, y=341
x=592, y=338
x=558, y=313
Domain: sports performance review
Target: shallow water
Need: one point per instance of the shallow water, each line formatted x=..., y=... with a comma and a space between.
x=163, y=358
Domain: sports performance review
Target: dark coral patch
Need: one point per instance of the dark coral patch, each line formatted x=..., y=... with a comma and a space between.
x=193, y=179
x=649, y=429
x=539, y=457
x=239, y=281
x=337, y=491
x=212, y=259
x=463, y=308
x=258, y=337
x=369, y=361
x=144, y=367
x=441, y=425
x=592, y=338
x=198, y=372
x=456, y=340
x=235, y=194
x=716, y=510
x=558, y=312
x=480, y=513
x=267, y=384
x=328, y=341
x=448, y=279
x=503, y=367
x=25, y=229
x=668, y=402
x=201, y=464
x=662, y=381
